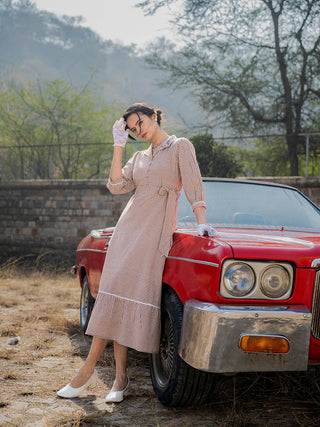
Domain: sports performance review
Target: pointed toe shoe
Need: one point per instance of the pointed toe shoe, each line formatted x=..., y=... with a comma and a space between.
x=117, y=396
x=69, y=392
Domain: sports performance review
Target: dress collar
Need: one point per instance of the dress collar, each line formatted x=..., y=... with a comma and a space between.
x=152, y=152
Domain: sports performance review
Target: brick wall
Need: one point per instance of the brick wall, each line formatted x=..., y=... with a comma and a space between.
x=38, y=216
x=54, y=216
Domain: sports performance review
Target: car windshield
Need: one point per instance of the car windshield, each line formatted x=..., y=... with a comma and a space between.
x=238, y=204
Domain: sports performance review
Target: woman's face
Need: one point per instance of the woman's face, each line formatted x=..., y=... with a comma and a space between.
x=142, y=126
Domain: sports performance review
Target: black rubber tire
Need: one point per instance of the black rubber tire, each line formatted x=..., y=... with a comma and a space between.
x=175, y=383
x=86, y=303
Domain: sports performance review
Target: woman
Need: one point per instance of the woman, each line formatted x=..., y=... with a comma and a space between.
x=127, y=309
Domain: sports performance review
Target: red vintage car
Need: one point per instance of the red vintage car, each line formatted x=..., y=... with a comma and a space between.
x=246, y=300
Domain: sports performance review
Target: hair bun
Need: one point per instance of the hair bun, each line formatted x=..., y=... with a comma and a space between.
x=159, y=116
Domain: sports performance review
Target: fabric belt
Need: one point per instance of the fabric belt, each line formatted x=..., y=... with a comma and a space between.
x=169, y=220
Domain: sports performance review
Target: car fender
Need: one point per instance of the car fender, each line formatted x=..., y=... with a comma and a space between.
x=193, y=266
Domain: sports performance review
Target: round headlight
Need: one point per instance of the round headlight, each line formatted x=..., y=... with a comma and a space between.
x=239, y=279
x=275, y=281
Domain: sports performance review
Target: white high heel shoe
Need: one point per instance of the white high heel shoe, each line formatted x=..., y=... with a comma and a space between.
x=117, y=396
x=69, y=392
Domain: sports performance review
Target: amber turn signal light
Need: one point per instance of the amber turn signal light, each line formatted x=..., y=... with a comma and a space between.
x=264, y=344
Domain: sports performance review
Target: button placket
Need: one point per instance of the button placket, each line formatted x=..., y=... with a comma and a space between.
x=148, y=168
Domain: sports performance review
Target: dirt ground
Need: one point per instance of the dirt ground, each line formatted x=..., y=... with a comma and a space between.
x=42, y=309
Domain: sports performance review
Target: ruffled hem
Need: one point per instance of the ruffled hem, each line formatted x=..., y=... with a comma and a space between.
x=130, y=323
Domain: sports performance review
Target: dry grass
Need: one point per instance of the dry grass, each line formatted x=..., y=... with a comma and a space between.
x=42, y=308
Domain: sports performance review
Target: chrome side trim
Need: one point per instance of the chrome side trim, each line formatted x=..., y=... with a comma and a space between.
x=91, y=250
x=315, y=263
x=210, y=336
x=196, y=261
x=315, y=324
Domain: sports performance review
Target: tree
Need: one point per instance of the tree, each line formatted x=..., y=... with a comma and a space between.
x=214, y=159
x=54, y=130
x=266, y=157
x=253, y=64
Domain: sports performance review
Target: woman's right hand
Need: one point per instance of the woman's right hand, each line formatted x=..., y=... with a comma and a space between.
x=206, y=230
x=120, y=135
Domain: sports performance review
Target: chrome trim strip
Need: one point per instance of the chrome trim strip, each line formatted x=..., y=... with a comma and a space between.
x=91, y=250
x=315, y=263
x=196, y=261
x=315, y=310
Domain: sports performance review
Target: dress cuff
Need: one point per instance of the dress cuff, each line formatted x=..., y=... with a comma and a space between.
x=117, y=184
x=198, y=204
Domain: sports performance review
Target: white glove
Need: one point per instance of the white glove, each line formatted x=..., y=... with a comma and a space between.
x=206, y=230
x=120, y=135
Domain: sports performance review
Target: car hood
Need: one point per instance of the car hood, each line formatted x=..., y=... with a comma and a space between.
x=301, y=248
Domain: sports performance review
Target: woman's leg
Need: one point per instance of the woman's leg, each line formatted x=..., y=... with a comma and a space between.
x=120, y=355
x=86, y=370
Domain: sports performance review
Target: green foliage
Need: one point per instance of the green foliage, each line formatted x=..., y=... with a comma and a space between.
x=314, y=146
x=254, y=65
x=215, y=160
x=313, y=158
x=266, y=158
x=54, y=130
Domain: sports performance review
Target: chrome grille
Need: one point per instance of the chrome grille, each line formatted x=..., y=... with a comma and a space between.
x=315, y=323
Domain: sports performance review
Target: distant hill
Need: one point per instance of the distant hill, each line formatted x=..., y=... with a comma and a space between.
x=36, y=44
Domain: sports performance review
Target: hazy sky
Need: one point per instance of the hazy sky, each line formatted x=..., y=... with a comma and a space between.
x=117, y=20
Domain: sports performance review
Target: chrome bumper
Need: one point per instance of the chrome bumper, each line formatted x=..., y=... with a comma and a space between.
x=211, y=334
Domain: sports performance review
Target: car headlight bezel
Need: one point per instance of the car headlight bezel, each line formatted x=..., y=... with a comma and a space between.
x=266, y=286
x=239, y=279
x=259, y=268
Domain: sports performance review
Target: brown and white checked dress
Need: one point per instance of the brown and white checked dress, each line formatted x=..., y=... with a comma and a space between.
x=127, y=308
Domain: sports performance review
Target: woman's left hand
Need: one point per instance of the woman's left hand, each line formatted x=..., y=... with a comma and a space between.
x=206, y=230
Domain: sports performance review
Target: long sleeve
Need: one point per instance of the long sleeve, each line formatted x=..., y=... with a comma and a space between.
x=190, y=174
x=126, y=183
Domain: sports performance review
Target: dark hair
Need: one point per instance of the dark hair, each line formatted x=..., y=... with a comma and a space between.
x=142, y=108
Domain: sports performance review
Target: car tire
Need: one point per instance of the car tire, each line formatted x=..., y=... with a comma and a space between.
x=175, y=383
x=86, y=303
